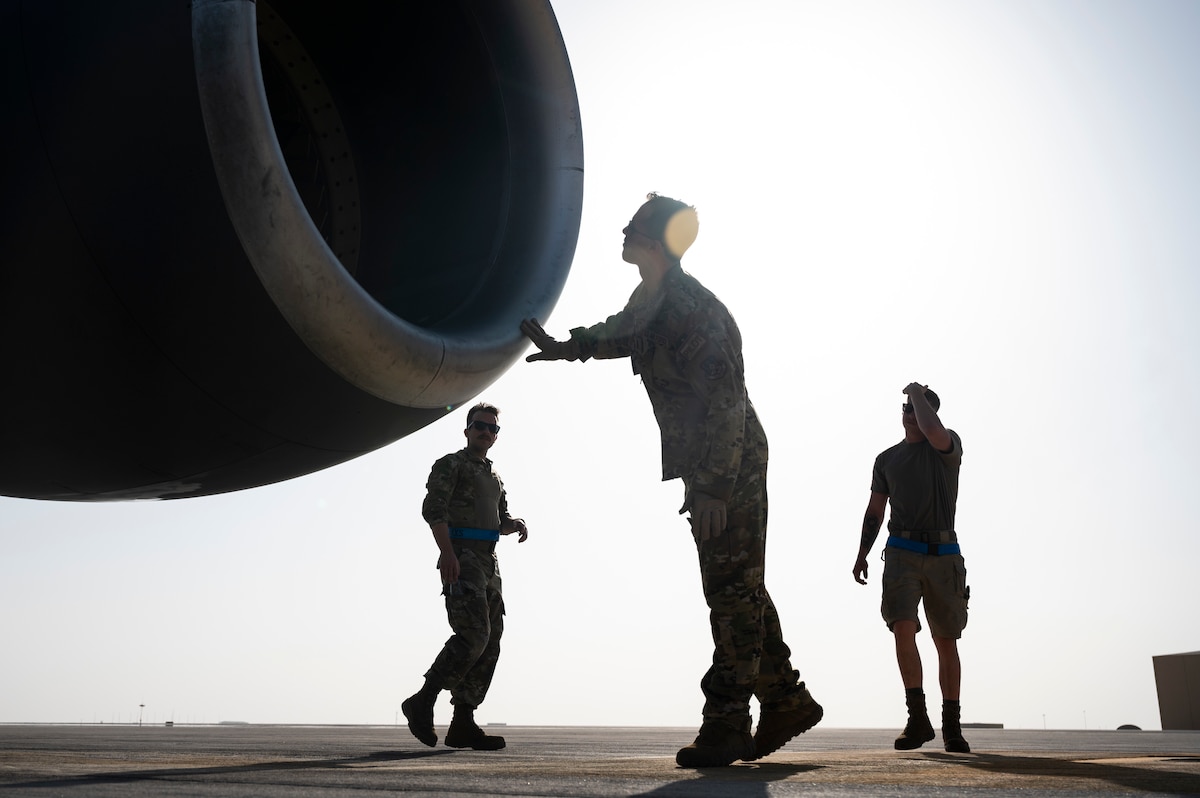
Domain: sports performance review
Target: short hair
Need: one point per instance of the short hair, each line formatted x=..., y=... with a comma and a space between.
x=934, y=401
x=673, y=222
x=482, y=407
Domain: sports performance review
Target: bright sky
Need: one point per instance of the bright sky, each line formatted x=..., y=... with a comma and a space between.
x=996, y=198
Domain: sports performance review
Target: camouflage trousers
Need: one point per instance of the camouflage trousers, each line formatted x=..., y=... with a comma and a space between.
x=750, y=656
x=476, y=614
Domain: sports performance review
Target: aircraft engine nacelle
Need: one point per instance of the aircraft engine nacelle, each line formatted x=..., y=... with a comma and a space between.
x=243, y=241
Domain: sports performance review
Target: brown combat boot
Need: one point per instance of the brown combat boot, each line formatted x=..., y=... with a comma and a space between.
x=918, y=730
x=716, y=746
x=463, y=733
x=775, y=728
x=952, y=734
x=418, y=710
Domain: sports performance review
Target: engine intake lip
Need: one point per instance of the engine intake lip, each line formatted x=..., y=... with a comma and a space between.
x=338, y=320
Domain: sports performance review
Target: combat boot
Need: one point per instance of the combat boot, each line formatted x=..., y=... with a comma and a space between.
x=775, y=728
x=717, y=745
x=418, y=710
x=463, y=733
x=918, y=730
x=952, y=734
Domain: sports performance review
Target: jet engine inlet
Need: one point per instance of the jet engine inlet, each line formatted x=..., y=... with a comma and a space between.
x=243, y=242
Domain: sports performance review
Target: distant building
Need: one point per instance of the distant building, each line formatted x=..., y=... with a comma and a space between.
x=1178, y=680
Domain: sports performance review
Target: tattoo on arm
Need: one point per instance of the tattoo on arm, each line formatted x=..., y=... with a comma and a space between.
x=870, y=531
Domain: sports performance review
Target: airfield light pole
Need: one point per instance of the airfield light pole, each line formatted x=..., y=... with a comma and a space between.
x=140, y=708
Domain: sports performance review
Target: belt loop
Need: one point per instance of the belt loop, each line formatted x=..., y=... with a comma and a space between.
x=927, y=535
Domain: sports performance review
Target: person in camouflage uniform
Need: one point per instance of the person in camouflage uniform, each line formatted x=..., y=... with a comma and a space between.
x=467, y=509
x=687, y=349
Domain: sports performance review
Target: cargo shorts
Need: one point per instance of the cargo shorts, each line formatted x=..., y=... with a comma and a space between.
x=938, y=580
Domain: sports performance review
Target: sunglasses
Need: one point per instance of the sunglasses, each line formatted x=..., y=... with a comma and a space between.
x=632, y=228
x=483, y=425
x=906, y=408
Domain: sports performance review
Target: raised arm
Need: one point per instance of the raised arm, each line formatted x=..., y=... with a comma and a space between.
x=927, y=418
x=611, y=338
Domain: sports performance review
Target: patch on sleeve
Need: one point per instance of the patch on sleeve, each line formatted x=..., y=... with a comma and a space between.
x=692, y=346
x=713, y=367
x=645, y=343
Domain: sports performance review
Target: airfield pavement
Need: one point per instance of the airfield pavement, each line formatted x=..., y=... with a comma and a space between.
x=266, y=761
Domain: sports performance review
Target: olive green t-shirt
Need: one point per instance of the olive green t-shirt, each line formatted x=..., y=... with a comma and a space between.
x=921, y=484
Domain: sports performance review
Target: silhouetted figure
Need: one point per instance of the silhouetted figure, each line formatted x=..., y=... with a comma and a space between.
x=466, y=507
x=687, y=349
x=922, y=562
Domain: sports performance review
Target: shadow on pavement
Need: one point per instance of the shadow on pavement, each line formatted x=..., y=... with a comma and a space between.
x=736, y=781
x=126, y=776
x=1149, y=777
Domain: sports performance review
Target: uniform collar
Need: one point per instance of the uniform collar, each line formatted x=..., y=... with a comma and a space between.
x=466, y=452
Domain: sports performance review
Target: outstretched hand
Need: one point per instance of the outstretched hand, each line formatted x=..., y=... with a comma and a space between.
x=549, y=348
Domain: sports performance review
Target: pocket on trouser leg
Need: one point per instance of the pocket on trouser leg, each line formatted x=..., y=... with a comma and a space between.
x=468, y=611
x=963, y=590
x=901, y=588
x=948, y=602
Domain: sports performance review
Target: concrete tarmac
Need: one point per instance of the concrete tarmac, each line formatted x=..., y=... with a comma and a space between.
x=239, y=761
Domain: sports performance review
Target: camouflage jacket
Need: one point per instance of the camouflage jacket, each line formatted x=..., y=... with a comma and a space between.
x=465, y=491
x=688, y=350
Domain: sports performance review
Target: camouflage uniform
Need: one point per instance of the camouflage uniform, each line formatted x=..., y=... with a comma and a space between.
x=687, y=348
x=464, y=491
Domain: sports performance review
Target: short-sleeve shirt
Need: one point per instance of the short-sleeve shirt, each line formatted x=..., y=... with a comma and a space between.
x=921, y=484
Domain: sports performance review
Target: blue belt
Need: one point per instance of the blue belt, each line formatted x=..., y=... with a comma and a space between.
x=936, y=549
x=467, y=533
